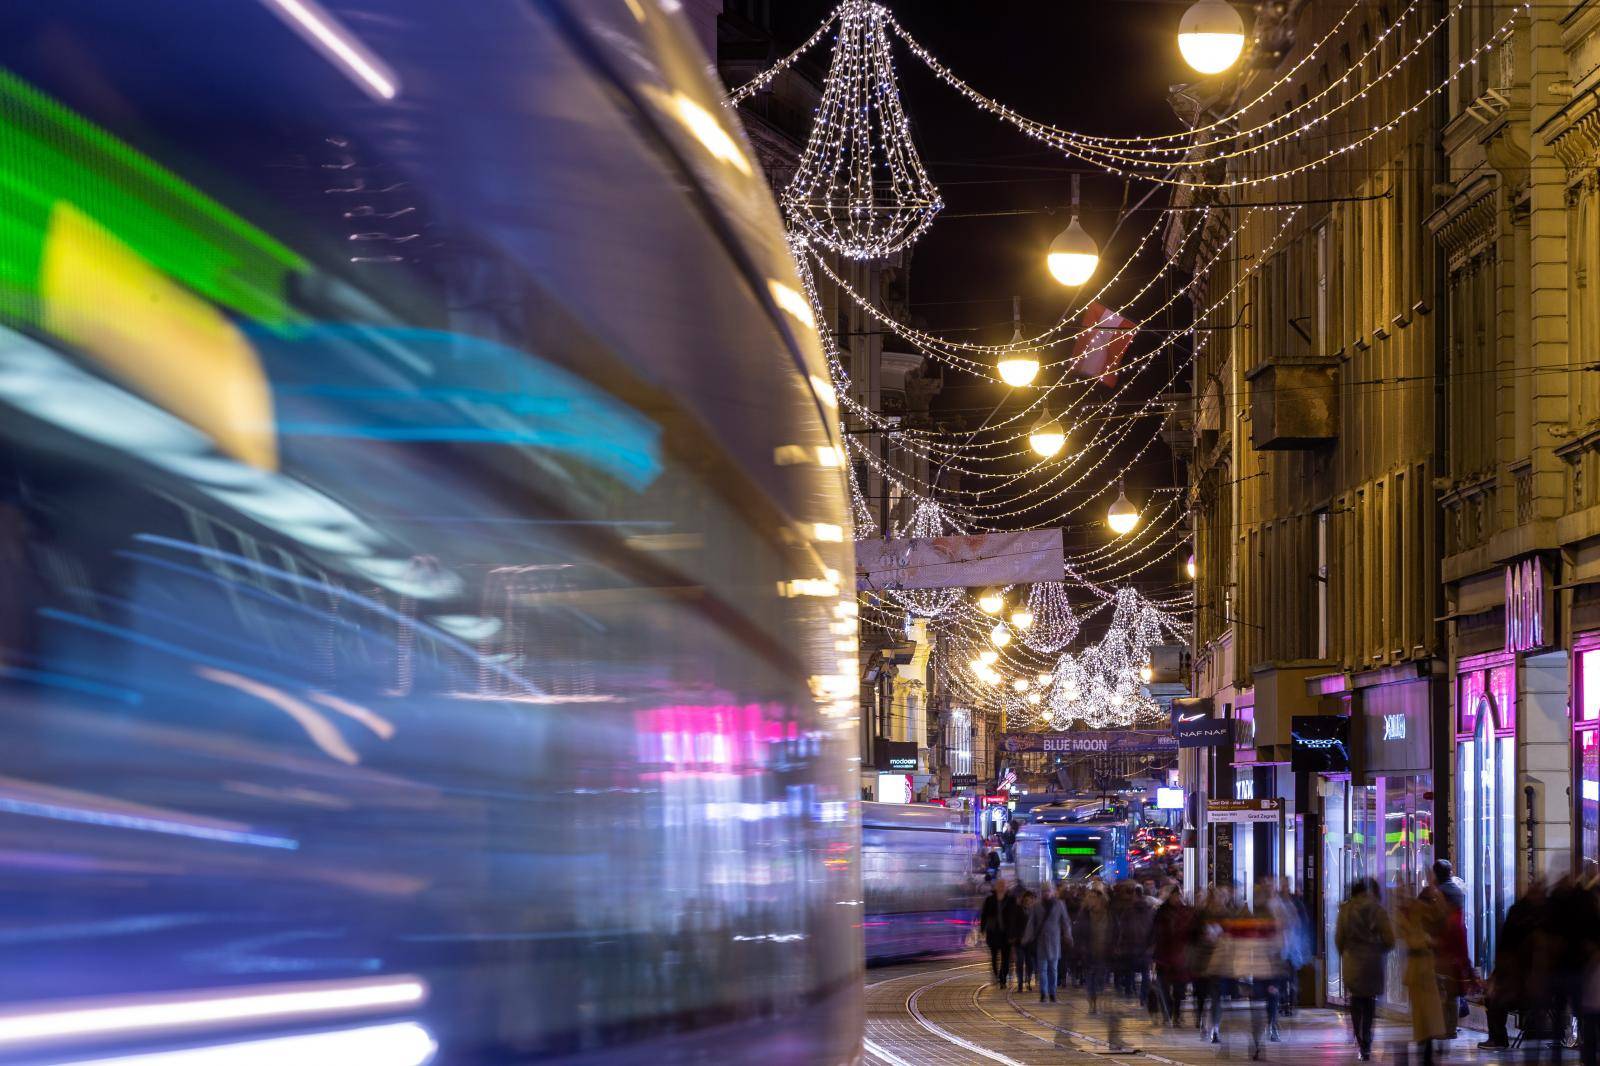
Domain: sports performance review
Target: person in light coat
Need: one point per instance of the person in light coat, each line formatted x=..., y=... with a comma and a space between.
x=1363, y=936
x=1047, y=932
x=1421, y=927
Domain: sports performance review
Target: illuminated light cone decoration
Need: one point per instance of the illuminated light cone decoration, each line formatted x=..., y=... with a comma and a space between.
x=861, y=189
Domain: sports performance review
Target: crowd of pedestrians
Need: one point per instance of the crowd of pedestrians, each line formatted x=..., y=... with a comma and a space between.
x=1144, y=942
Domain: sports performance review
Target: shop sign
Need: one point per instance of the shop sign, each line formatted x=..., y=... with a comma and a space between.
x=1319, y=744
x=1203, y=733
x=1092, y=742
x=899, y=756
x=1525, y=605
x=1244, y=810
x=963, y=780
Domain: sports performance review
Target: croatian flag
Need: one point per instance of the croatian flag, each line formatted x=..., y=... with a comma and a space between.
x=1106, y=337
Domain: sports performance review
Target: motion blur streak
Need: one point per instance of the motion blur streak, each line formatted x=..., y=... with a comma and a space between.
x=195, y=1010
x=317, y=727
x=320, y=28
x=33, y=800
x=402, y=1044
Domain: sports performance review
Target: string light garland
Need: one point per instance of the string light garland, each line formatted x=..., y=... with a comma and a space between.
x=860, y=189
x=928, y=519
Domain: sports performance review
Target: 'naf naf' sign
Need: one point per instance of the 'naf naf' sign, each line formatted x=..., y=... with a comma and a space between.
x=1526, y=594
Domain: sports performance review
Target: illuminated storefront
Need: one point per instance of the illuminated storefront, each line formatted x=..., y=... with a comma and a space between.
x=1485, y=765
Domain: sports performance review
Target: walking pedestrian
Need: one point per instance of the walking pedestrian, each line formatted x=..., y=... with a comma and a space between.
x=1171, y=932
x=1022, y=956
x=991, y=924
x=1047, y=932
x=1421, y=925
x=1363, y=936
x=1513, y=985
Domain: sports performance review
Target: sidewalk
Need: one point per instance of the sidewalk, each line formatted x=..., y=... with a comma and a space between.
x=1319, y=1033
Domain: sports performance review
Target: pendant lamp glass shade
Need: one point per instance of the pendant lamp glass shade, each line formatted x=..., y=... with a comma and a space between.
x=990, y=601
x=1123, y=515
x=1018, y=368
x=1073, y=255
x=1211, y=36
x=999, y=636
x=989, y=657
x=1022, y=619
x=1047, y=437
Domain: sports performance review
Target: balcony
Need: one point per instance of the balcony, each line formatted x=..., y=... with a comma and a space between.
x=1293, y=405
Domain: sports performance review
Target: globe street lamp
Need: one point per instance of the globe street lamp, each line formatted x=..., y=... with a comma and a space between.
x=1017, y=368
x=1211, y=36
x=990, y=601
x=999, y=636
x=1123, y=515
x=1022, y=619
x=1048, y=436
x=1073, y=255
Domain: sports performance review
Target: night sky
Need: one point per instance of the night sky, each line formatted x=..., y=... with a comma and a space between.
x=1099, y=66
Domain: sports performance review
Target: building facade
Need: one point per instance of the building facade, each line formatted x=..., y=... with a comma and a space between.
x=1313, y=457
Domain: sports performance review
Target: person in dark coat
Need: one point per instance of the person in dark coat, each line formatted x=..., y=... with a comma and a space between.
x=1015, y=919
x=1513, y=985
x=991, y=924
x=1171, y=930
x=1363, y=936
x=1130, y=938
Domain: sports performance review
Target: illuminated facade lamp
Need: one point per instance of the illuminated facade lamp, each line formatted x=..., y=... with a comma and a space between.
x=1211, y=36
x=1123, y=515
x=990, y=601
x=1189, y=567
x=999, y=636
x=1146, y=674
x=1017, y=368
x=1048, y=436
x=1073, y=256
x=1022, y=619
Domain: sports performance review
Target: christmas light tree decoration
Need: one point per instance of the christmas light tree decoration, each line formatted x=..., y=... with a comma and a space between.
x=860, y=189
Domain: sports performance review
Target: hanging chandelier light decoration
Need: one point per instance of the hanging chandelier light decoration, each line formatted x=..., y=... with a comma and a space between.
x=1104, y=685
x=861, y=190
x=928, y=520
x=1054, y=623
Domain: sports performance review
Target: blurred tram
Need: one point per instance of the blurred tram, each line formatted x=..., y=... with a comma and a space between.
x=1073, y=842
x=421, y=526
x=920, y=878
